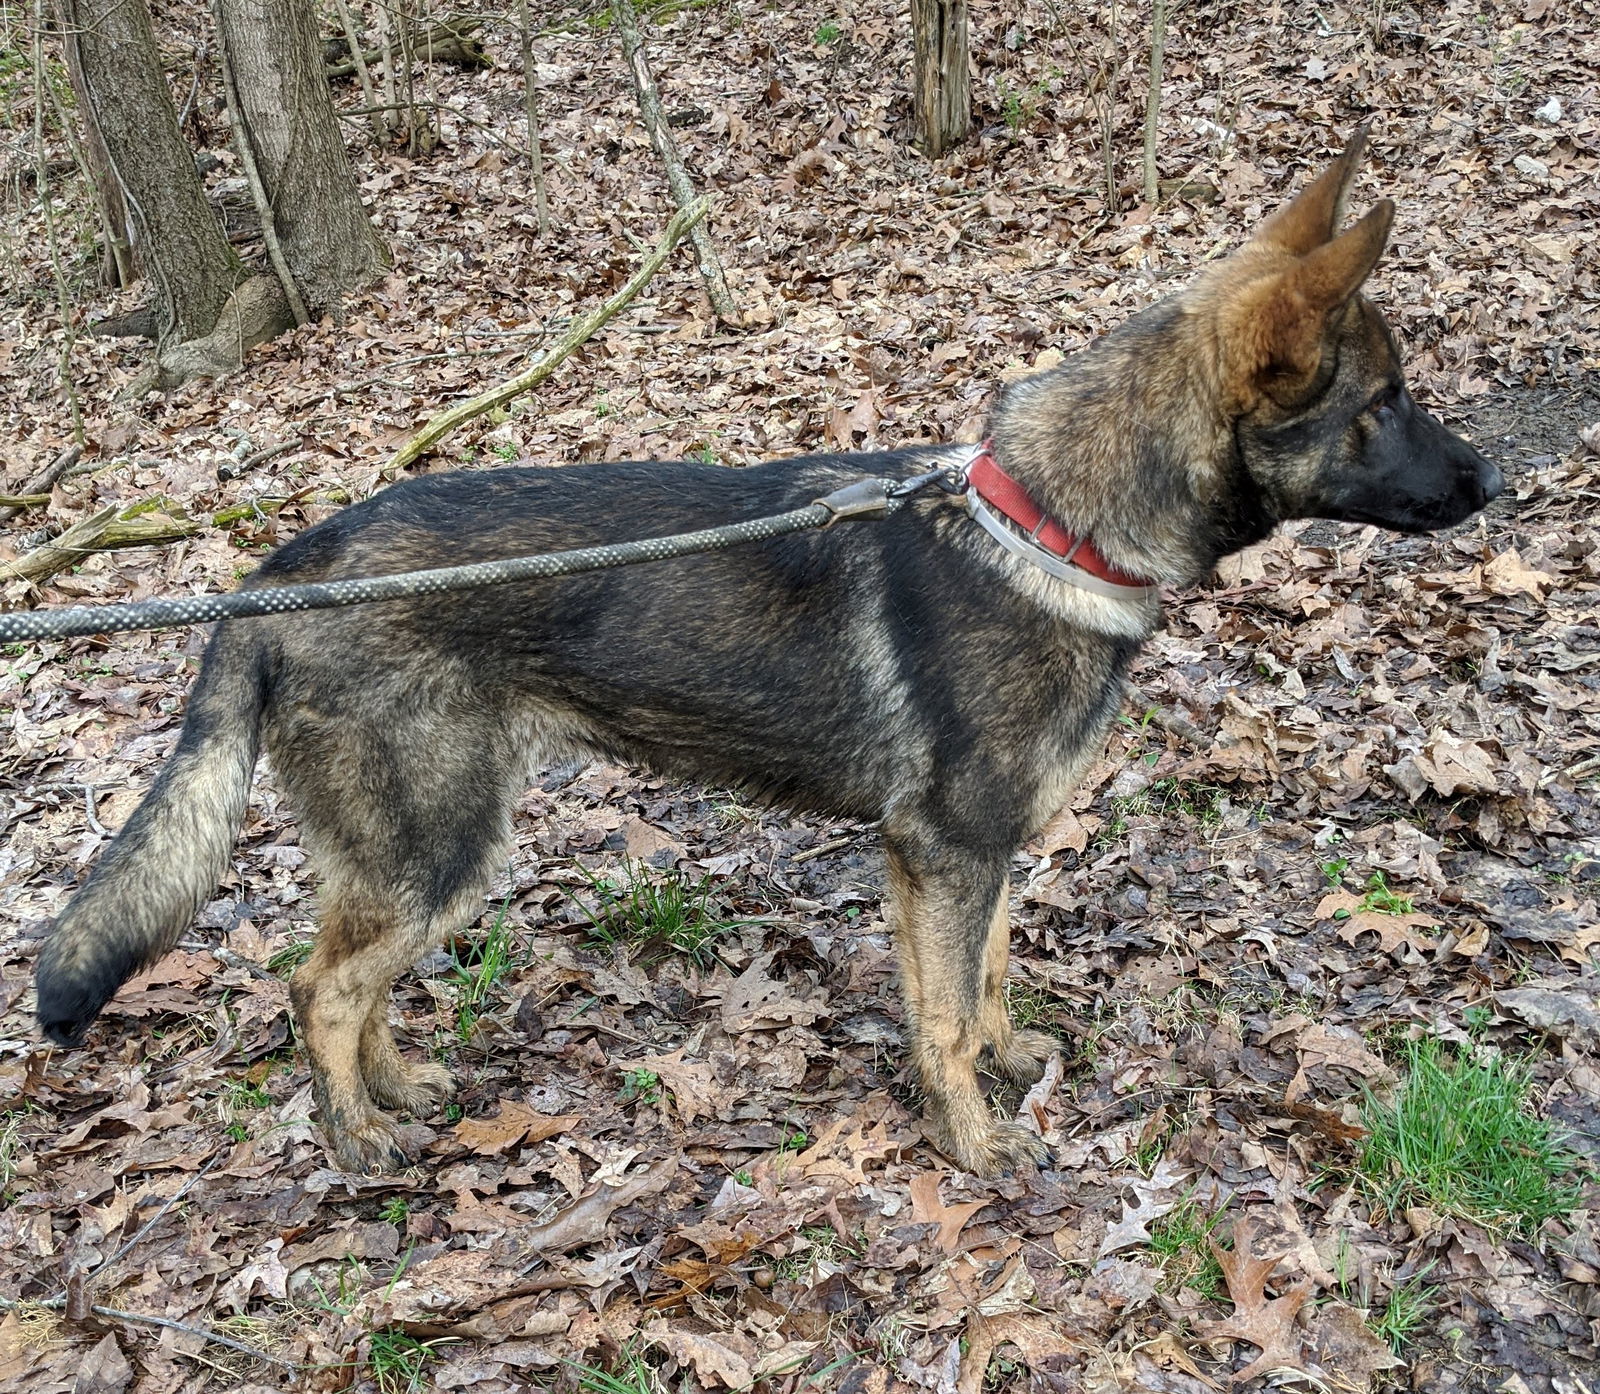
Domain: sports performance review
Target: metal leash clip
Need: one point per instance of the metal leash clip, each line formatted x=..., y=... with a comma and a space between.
x=866, y=498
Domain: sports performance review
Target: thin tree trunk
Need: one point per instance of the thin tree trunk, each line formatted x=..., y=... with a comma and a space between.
x=358, y=60
x=126, y=97
x=258, y=194
x=117, y=268
x=286, y=115
x=678, y=181
x=941, y=87
x=386, y=42
x=1108, y=112
x=1152, y=105
x=530, y=101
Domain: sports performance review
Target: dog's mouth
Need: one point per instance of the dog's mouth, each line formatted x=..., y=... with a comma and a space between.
x=1420, y=519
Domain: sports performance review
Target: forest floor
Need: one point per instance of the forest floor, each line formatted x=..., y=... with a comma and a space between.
x=1343, y=849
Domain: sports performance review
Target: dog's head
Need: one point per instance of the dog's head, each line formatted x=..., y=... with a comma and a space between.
x=1312, y=377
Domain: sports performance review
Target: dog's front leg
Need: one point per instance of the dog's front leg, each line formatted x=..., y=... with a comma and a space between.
x=943, y=913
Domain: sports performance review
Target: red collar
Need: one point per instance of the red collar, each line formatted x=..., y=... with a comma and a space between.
x=1008, y=498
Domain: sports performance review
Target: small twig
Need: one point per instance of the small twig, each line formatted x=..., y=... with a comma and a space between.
x=443, y=354
x=88, y=811
x=678, y=181
x=530, y=102
x=59, y=1301
x=215, y=1336
x=835, y=845
x=165, y=1205
x=260, y=457
x=446, y=421
x=455, y=111
x=42, y=184
x=363, y=72
x=43, y=482
x=1152, y=106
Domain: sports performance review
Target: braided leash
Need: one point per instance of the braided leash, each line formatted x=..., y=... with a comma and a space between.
x=867, y=498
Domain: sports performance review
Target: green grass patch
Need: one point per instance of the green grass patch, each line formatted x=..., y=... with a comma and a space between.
x=1460, y=1136
x=655, y=917
x=1031, y=1005
x=11, y=1150
x=1169, y=798
x=1403, y=1313
x=477, y=969
x=630, y=1375
x=238, y=1099
x=1179, y=1240
x=1379, y=900
x=399, y=1361
x=290, y=957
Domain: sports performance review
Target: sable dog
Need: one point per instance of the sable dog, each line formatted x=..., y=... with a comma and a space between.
x=946, y=679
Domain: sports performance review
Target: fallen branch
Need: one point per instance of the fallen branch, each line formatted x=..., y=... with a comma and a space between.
x=141, y=525
x=446, y=421
x=259, y=457
x=448, y=42
x=678, y=181
x=42, y=483
x=262, y=508
x=144, y=524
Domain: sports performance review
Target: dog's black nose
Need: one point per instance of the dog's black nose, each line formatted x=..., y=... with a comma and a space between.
x=1490, y=480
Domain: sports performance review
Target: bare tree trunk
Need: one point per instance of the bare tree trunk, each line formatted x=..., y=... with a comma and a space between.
x=126, y=99
x=1152, y=105
x=358, y=60
x=117, y=267
x=941, y=88
x=530, y=102
x=678, y=181
x=274, y=54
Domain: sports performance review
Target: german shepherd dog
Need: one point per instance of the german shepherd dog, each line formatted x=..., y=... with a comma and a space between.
x=947, y=680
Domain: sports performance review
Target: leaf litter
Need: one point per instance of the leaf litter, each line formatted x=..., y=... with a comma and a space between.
x=710, y=1169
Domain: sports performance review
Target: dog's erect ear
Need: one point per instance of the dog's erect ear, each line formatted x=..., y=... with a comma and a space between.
x=1276, y=330
x=1313, y=217
x=1330, y=274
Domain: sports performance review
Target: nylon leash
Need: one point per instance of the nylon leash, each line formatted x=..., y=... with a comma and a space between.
x=866, y=498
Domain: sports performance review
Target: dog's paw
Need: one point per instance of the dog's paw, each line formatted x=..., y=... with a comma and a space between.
x=415, y=1089
x=1024, y=1058
x=369, y=1147
x=1002, y=1147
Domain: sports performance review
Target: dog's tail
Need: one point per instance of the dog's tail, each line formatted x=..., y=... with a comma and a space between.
x=169, y=855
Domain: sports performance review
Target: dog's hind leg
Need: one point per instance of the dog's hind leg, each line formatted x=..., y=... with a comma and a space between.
x=394, y=1082
x=1017, y=1056
x=407, y=814
x=361, y=946
x=942, y=912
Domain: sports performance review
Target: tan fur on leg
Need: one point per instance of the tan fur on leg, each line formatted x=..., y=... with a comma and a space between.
x=933, y=929
x=336, y=994
x=1017, y=1056
x=393, y=1081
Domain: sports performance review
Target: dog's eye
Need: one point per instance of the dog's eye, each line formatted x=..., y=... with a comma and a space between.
x=1385, y=401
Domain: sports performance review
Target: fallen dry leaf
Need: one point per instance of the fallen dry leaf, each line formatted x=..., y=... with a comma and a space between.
x=1394, y=932
x=515, y=1123
x=1266, y=1322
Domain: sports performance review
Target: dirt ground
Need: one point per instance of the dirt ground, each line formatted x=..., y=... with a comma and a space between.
x=676, y=1171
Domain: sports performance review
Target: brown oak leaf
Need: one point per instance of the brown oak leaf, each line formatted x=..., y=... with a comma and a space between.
x=1267, y=1322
